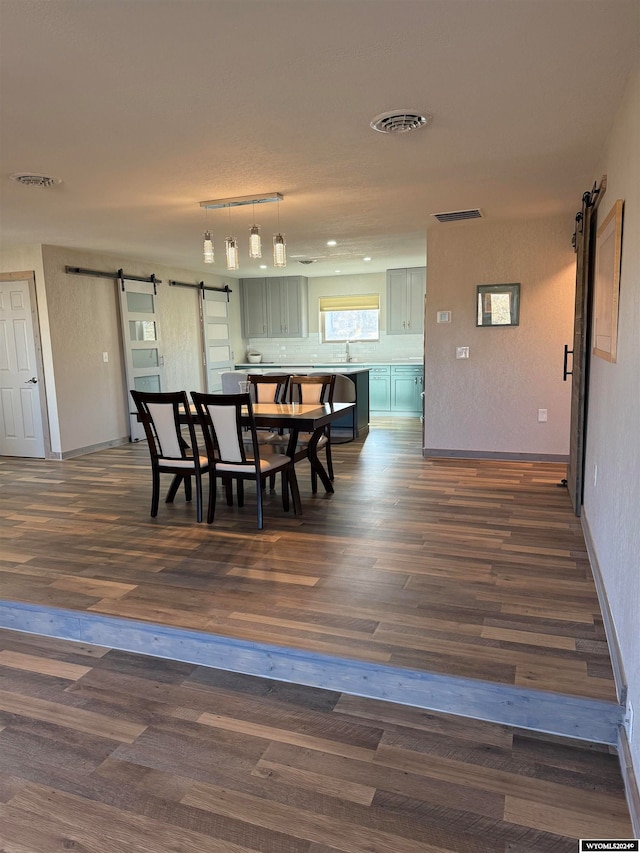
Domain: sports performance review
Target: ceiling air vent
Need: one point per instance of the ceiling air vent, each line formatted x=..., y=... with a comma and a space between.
x=30, y=179
x=400, y=121
x=458, y=215
x=308, y=261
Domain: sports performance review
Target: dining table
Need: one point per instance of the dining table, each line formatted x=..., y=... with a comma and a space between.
x=302, y=417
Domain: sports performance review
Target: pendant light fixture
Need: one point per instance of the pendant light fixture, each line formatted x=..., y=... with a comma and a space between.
x=255, y=242
x=279, y=246
x=232, y=253
x=208, y=248
x=231, y=249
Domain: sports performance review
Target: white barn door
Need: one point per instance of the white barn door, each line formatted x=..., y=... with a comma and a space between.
x=141, y=342
x=216, y=342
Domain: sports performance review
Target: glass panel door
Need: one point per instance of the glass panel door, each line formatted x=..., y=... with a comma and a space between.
x=142, y=346
x=218, y=358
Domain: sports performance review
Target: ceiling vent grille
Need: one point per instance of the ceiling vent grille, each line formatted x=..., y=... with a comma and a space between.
x=30, y=179
x=308, y=261
x=400, y=121
x=458, y=215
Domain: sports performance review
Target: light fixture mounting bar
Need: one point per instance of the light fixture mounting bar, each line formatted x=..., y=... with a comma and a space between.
x=241, y=200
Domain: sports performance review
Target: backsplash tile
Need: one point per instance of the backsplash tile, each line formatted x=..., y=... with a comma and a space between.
x=309, y=350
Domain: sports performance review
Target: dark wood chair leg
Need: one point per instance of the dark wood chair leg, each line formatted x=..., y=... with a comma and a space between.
x=211, y=511
x=259, y=503
x=284, y=477
x=173, y=488
x=295, y=491
x=240, y=491
x=187, y=488
x=155, y=492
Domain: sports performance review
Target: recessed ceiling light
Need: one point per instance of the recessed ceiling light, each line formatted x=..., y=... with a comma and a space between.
x=366, y=259
x=332, y=242
x=338, y=270
x=263, y=266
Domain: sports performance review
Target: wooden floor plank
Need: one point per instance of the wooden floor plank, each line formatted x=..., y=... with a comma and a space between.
x=216, y=761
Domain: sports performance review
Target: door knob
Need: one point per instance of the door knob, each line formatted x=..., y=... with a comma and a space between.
x=33, y=381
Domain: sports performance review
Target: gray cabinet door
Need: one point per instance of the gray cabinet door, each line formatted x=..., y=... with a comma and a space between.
x=407, y=383
x=254, y=307
x=379, y=389
x=287, y=307
x=405, y=300
x=416, y=286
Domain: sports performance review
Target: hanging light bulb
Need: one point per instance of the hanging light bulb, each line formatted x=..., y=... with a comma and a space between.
x=231, y=248
x=279, y=251
x=208, y=248
x=255, y=243
x=231, y=251
x=279, y=246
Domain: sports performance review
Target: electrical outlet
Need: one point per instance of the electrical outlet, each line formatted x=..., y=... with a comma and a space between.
x=542, y=416
x=462, y=352
x=105, y=356
x=628, y=720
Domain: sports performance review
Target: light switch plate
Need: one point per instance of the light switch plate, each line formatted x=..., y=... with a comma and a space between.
x=443, y=316
x=462, y=352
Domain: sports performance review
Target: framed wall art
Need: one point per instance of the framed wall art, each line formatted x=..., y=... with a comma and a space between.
x=607, y=284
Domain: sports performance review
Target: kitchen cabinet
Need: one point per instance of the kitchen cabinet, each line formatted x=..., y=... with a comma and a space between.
x=407, y=383
x=405, y=300
x=253, y=302
x=380, y=388
x=275, y=307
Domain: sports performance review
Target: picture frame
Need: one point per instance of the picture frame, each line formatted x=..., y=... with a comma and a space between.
x=498, y=305
x=607, y=284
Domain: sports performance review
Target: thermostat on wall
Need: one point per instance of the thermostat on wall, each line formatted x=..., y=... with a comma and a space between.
x=443, y=317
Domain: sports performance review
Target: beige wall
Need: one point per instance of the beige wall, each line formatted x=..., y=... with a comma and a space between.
x=90, y=395
x=489, y=403
x=612, y=503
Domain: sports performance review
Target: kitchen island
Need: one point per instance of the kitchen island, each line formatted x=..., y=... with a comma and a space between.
x=354, y=388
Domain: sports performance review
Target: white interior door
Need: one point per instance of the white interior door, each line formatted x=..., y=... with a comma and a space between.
x=21, y=431
x=217, y=345
x=142, y=344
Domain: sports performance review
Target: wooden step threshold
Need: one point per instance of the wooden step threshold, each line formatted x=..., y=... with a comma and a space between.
x=584, y=719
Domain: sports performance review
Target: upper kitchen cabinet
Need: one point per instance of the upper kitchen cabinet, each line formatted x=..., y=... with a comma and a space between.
x=405, y=300
x=275, y=307
x=253, y=299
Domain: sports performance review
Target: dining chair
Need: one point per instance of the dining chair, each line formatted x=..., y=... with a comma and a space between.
x=161, y=415
x=313, y=388
x=224, y=419
x=269, y=387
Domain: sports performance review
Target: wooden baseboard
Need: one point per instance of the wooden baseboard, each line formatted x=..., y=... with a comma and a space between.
x=92, y=448
x=440, y=453
x=630, y=781
x=607, y=618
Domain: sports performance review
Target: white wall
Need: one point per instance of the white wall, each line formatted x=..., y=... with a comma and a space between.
x=489, y=403
x=612, y=505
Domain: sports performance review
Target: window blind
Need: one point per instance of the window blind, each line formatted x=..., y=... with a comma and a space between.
x=355, y=302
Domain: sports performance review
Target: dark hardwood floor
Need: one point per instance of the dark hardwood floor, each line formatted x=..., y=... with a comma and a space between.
x=463, y=568
x=102, y=751
x=468, y=568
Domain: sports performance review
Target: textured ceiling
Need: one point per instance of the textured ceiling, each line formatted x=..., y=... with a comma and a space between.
x=144, y=108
